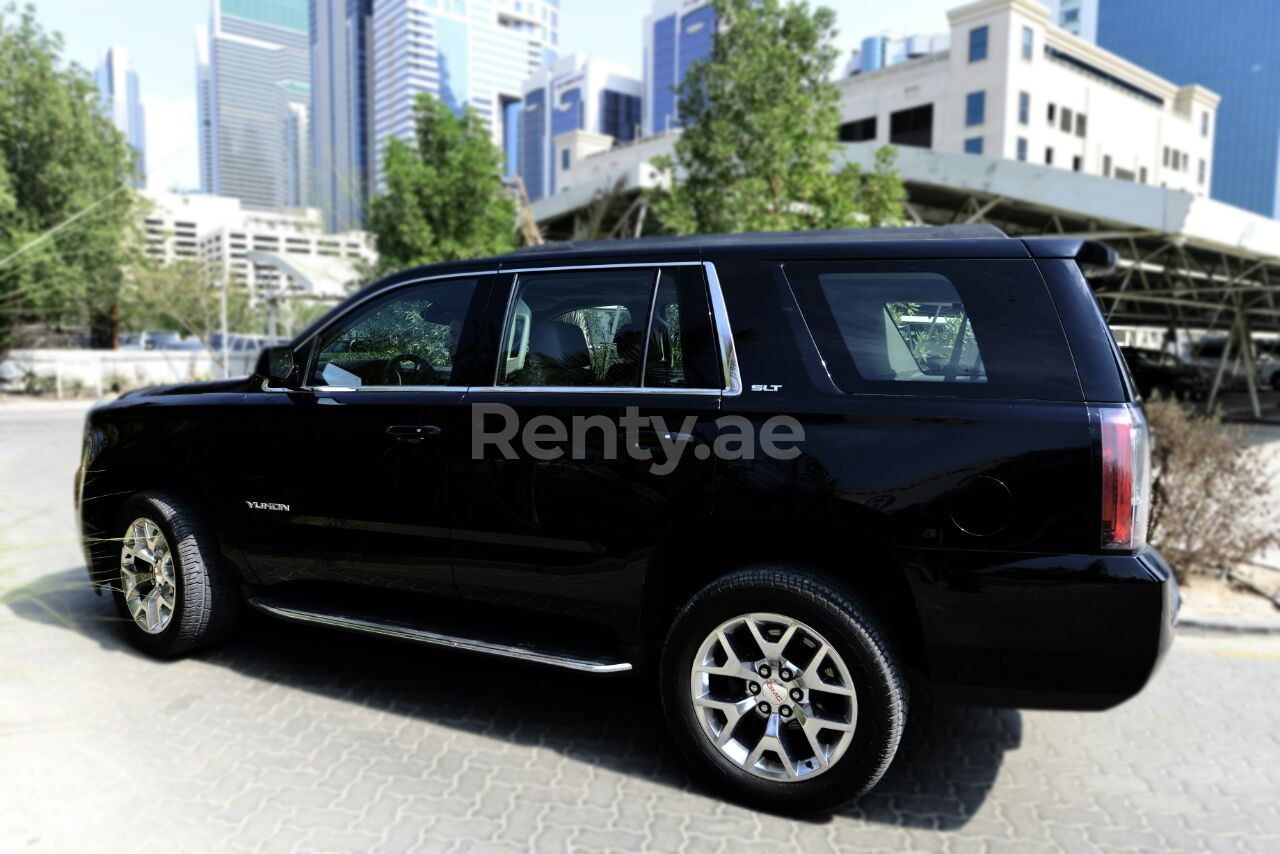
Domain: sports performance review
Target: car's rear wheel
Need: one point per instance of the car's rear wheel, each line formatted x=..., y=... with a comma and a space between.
x=170, y=589
x=782, y=689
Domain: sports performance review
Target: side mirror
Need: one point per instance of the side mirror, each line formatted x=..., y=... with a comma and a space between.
x=277, y=368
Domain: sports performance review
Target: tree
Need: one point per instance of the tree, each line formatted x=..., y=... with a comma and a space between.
x=181, y=296
x=444, y=198
x=66, y=199
x=762, y=129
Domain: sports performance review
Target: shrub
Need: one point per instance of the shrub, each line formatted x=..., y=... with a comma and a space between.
x=1211, y=495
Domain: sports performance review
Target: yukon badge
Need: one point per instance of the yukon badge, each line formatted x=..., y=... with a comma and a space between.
x=267, y=505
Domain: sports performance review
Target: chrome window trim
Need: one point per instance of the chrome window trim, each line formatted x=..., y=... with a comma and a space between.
x=724, y=333
x=567, y=267
x=592, y=389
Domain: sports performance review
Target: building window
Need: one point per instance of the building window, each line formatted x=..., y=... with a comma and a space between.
x=1080, y=125
x=1106, y=165
x=564, y=158
x=1022, y=148
x=977, y=44
x=1166, y=156
x=912, y=127
x=1204, y=124
x=975, y=108
x=1201, y=172
x=1065, y=124
x=1048, y=156
x=1186, y=162
x=1053, y=113
x=1028, y=38
x=1142, y=174
x=973, y=145
x=859, y=131
x=1024, y=108
x=1077, y=163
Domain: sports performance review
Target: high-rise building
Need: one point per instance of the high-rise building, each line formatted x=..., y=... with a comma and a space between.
x=253, y=67
x=122, y=103
x=475, y=53
x=677, y=33
x=576, y=95
x=1078, y=17
x=1227, y=47
x=341, y=109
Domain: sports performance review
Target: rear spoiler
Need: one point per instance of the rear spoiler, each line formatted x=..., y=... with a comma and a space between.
x=1093, y=258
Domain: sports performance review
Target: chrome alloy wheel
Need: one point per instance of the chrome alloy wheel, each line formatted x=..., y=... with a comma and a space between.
x=774, y=697
x=147, y=576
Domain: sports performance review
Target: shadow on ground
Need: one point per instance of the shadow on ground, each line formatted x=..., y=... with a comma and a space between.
x=945, y=768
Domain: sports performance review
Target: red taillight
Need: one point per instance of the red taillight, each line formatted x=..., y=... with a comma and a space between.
x=1125, y=465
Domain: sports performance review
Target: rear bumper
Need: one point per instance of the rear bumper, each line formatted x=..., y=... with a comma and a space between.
x=1059, y=632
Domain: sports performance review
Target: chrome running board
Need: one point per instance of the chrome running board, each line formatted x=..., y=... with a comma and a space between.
x=365, y=625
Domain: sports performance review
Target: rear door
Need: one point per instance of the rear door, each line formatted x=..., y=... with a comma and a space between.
x=606, y=381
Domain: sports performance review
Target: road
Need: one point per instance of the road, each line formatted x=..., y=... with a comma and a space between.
x=295, y=739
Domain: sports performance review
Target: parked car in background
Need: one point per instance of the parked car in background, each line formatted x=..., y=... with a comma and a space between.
x=1207, y=355
x=1161, y=371
x=962, y=500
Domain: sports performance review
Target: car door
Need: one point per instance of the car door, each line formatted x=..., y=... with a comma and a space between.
x=353, y=483
x=566, y=515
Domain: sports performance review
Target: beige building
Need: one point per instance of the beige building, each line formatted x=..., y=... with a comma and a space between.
x=1015, y=86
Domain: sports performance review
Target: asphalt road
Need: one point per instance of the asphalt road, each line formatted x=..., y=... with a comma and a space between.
x=288, y=738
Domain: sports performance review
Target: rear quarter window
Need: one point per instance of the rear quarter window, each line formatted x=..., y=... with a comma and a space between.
x=947, y=328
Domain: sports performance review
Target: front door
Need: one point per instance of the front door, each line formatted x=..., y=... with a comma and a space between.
x=357, y=487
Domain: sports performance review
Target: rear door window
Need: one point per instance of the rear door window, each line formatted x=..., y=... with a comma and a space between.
x=949, y=328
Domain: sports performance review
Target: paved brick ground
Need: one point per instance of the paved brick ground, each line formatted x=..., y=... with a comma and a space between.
x=290, y=738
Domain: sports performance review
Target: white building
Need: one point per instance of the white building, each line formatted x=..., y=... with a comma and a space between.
x=1013, y=85
x=221, y=232
x=677, y=33
x=576, y=102
x=475, y=53
x=122, y=103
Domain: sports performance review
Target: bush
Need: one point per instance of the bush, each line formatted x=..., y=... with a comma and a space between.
x=1211, y=496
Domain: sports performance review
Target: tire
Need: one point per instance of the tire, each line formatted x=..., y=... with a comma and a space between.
x=205, y=596
x=822, y=607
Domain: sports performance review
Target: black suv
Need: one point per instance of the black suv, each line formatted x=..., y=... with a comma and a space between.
x=781, y=475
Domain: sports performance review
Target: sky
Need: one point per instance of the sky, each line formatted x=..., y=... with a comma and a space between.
x=160, y=37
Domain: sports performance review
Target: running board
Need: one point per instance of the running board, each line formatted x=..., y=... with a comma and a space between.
x=368, y=626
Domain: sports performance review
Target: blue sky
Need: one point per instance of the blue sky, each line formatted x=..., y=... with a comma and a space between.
x=159, y=34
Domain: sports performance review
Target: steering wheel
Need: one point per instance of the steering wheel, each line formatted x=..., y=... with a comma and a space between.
x=397, y=367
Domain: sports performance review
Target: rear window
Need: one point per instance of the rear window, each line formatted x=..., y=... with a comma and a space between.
x=949, y=328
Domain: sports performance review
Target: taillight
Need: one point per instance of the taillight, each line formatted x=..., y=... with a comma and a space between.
x=1126, y=477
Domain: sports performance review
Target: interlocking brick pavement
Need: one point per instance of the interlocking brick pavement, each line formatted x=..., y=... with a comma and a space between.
x=290, y=738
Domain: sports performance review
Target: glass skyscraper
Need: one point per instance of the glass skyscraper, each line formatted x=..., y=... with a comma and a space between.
x=122, y=103
x=677, y=33
x=253, y=99
x=1228, y=47
x=475, y=53
x=341, y=109
x=575, y=94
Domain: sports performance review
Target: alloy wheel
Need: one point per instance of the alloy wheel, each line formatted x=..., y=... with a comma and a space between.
x=147, y=577
x=774, y=697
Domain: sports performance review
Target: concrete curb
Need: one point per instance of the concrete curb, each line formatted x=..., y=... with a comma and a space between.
x=1232, y=627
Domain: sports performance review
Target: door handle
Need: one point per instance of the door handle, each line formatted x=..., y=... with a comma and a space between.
x=412, y=432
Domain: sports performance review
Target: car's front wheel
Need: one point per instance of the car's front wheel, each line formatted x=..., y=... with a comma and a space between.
x=170, y=589
x=782, y=689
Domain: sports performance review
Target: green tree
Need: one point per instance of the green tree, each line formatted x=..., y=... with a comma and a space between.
x=761, y=132
x=66, y=200
x=445, y=199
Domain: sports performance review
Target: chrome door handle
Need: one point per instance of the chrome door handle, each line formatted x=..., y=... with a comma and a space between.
x=412, y=431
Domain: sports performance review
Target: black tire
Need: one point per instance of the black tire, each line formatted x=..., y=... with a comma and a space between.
x=208, y=599
x=848, y=625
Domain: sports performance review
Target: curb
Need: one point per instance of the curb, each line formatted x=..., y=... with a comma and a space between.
x=1231, y=627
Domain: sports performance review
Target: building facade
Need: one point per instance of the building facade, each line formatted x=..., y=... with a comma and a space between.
x=341, y=109
x=1227, y=46
x=122, y=103
x=1078, y=17
x=467, y=53
x=677, y=33
x=576, y=94
x=253, y=74
x=1013, y=85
